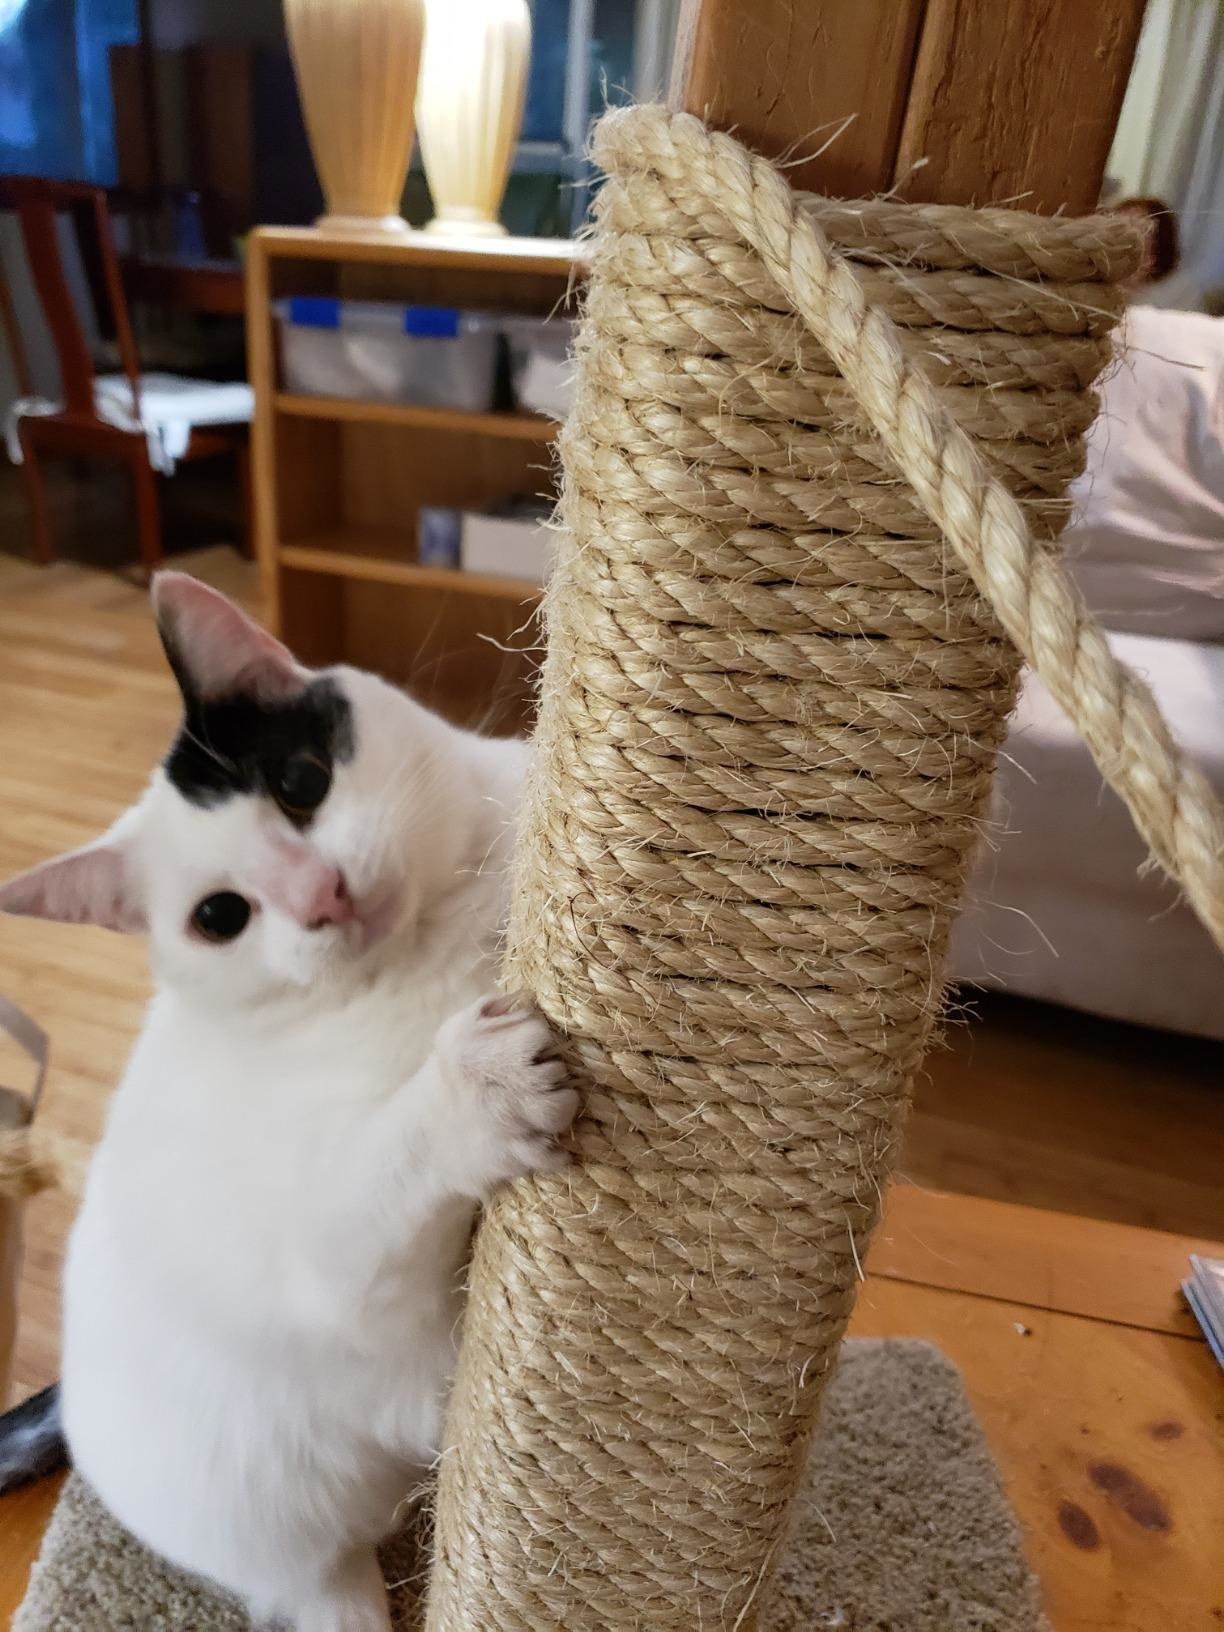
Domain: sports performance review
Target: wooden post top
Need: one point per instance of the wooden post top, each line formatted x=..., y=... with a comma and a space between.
x=949, y=101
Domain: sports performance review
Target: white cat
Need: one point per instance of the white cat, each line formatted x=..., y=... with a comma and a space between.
x=263, y=1287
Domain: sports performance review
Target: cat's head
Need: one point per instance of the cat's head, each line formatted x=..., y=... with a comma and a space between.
x=300, y=821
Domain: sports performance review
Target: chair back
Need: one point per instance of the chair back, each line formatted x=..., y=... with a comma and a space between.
x=14, y=339
x=39, y=203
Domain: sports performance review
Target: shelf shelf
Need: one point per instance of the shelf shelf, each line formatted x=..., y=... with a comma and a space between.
x=552, y=257
x=377, y=558
x=518, y=426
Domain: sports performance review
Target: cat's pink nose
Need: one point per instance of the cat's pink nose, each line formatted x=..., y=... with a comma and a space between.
x=329, y=901
x=298, y=881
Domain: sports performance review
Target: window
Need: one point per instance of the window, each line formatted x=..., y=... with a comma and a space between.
x=55, y=103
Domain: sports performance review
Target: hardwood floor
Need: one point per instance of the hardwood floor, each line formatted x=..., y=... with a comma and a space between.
x=1023, y=1102
x=1036, y=1104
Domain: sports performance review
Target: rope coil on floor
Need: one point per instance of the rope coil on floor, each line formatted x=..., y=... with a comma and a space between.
x=818, y=453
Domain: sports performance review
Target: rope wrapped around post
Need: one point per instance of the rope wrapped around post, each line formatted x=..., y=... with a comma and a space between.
x=818, y=456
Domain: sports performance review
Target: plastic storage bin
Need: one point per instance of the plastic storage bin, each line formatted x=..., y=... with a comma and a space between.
x=541, y=362
x=374, y=351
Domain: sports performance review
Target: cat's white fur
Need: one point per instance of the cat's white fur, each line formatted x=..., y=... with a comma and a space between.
x=263, y=1288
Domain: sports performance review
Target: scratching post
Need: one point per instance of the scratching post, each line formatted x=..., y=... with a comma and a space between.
x=816, y=466
x=769, y=713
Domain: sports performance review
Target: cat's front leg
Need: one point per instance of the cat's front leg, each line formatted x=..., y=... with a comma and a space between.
x=502, y=1095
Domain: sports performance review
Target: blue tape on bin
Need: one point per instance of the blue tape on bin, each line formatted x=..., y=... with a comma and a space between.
x=431, y=322
x=314, y=311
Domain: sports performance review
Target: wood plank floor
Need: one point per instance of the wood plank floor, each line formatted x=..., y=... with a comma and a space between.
x=1035, y=1104
x=1023, y=1103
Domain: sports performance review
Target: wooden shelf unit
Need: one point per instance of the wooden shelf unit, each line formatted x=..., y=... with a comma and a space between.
x=338, y=483
x=524, y=427
x=377, y=558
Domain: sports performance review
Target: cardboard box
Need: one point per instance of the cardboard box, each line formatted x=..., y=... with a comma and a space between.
x=511, y=541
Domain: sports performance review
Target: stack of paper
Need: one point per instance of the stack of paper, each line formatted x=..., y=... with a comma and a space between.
x=1204, y=1292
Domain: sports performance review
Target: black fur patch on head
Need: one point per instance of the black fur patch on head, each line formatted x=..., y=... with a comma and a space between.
x=237, y=744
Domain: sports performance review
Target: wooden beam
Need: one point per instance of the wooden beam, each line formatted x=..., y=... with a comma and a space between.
x=1016, y=102
x=953, y=101
x=784, y=74
x=146, y=47
x=220, y=137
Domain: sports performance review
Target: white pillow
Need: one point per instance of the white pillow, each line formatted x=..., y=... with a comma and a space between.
x=1146, y=540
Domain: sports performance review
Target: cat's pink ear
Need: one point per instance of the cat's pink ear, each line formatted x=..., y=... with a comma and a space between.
x=93, y=885
x=215, y=650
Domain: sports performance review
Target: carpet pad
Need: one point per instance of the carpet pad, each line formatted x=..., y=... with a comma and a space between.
x=901, y=1527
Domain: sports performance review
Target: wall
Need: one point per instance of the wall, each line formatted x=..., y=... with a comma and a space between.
x=40, y=114
x=186, y=22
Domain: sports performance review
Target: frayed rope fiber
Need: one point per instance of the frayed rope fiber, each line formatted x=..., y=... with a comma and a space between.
x=818, y=457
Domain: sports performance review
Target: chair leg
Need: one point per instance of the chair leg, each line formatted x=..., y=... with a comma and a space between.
x=246, y=535
x=42, y=544
x=148, y=513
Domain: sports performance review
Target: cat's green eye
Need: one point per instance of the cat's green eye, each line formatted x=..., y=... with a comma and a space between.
x=301, y=783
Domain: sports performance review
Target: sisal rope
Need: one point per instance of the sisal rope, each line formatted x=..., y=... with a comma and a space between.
x=816, y=458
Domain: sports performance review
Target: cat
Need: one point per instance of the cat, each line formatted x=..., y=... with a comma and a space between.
x=263, y=1288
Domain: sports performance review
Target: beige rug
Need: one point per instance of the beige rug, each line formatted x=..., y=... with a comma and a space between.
x=902, y=1528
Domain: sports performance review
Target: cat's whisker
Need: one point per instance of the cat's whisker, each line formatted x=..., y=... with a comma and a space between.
x=207, y=748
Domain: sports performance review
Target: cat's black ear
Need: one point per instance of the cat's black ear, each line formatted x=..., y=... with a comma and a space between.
x=215, y=650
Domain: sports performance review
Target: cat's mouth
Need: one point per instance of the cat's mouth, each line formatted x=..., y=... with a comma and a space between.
x=373, y=920
x=355, y=920
x=358, y=918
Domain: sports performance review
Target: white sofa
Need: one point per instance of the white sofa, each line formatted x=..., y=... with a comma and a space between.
x=1064, y=905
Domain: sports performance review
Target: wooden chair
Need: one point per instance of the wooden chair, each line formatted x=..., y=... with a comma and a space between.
x=147, y=422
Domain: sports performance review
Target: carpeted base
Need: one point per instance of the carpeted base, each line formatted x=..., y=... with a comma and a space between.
x=902, y=1527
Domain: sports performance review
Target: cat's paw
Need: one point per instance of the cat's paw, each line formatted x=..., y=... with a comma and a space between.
x=502, y=1054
